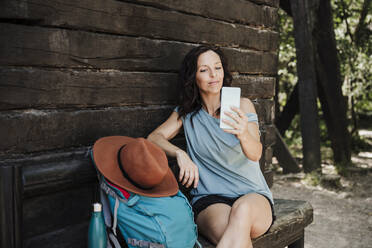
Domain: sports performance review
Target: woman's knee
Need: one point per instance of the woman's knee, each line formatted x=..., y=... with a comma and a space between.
x=256, y=211
x=242, y=210
x=213, y=221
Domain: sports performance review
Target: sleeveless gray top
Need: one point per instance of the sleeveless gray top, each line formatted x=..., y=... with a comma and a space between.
x=223, y=167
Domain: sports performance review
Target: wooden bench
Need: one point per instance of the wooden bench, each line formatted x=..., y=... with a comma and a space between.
x=45, y=201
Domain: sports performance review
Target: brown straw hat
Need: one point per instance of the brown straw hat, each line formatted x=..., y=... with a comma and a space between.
x=136, y=165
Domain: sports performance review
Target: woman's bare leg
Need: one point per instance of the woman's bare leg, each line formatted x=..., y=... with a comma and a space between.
x=212, y=221
x=250, y=217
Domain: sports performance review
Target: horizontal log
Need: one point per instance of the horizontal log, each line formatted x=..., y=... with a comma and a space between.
x=255, y=86
x=274, y=3
x=239, y=11
x=37, y=130
x=251, y=62
x=67, y=171
x=32, y=130
x=51, y=47
x=41, y=88
x=138, y=20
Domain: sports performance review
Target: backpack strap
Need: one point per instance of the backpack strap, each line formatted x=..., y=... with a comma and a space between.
x=197, y=243
x=114, y=241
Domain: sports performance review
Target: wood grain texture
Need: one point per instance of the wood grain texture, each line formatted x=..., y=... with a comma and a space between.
x=268, y=135
x=33, y=130
x=264, y=109
x=266, y=158
x=56, y=171
x=11, y=205
x=137, y=20
x=41, y=88
x=255, y=86
x=53, y=88
x=51, y=47
x=37, y=130
x=274, y=3
x=239, y=11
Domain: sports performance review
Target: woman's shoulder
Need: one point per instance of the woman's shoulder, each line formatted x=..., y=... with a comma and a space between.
x=247, y=105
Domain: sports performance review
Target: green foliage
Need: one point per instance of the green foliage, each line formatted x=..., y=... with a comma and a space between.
x=359, y=143
x=313, y=178
x=355, y=66
x=354, y=56
x=287, y=70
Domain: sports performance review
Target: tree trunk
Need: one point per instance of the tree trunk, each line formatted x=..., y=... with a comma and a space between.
x=329, y=84
x=303, y=27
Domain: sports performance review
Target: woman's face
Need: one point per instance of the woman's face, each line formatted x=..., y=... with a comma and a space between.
x=209, y=74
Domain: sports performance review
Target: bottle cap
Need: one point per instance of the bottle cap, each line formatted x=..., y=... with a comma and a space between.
x=97, y=207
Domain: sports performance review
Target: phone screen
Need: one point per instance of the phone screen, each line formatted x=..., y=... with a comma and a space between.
x=230, y=96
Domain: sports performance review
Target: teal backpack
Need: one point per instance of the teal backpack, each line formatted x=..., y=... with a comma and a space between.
x=147, y=222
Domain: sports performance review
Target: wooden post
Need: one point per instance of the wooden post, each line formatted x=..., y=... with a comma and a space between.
x=11, y=187
x=307, y=84
x=284, y=156
x=299, y=243
x=330, y=85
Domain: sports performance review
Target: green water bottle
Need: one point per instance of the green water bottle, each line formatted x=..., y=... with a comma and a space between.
x=97, y=237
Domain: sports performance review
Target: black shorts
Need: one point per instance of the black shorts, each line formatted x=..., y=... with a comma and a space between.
x=206, y=201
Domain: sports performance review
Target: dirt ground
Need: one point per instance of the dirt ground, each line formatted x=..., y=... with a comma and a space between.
x=343, y=214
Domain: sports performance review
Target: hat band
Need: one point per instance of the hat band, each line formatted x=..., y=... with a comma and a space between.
x=125, y=173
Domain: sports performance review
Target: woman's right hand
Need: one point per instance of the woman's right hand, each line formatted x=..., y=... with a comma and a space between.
x=189, y=172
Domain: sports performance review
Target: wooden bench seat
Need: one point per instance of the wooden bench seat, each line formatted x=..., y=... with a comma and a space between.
x=292, y=217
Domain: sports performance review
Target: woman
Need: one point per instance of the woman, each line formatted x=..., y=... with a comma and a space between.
x=230, y=196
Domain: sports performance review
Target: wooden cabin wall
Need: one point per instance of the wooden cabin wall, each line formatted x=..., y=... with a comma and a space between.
x=74, y=71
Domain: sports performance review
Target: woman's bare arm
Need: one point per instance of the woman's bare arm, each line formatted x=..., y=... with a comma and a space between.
x=165, y=132
x=189, y=172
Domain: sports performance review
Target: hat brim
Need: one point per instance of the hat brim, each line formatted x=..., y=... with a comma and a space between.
x=105, y=154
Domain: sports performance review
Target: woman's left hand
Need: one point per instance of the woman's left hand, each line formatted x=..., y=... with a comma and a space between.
x=240, y=126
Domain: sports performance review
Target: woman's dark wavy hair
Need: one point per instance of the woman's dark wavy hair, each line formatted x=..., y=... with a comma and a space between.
x=189, y=98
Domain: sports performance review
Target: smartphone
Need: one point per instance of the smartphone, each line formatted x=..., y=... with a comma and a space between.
x=230, y=96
